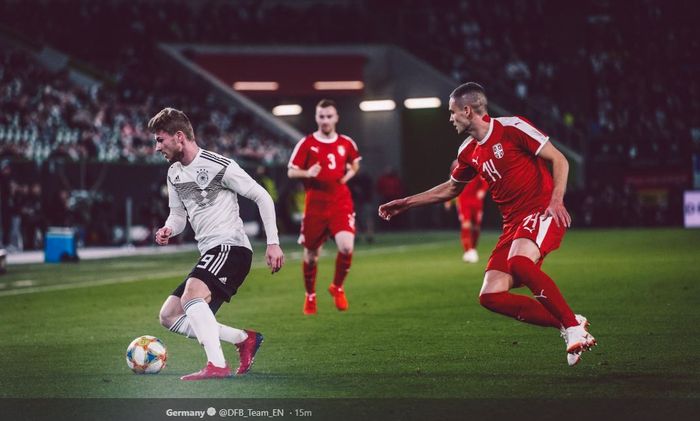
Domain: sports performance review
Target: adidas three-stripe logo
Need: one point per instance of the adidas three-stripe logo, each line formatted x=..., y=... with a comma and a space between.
x=220, y=259
x=215, y=158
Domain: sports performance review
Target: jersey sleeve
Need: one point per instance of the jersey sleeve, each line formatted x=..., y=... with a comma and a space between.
x=353, y=151
x=528, y=137
x=237, y=180
x=299, y=155
x=174, y=200
x=464, y=171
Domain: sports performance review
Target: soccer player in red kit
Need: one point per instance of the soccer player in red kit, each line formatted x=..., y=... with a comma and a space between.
x=325, y=161
x=470, y=210
x=511, y=155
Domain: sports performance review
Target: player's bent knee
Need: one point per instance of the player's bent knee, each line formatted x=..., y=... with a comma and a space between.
x=496, y=281
x=168, y=318
x=311, y=256
x=489, y=300
x=345, y=241
x=170, y=311
x=165, y=320
x=311, y=260
x=346, y=249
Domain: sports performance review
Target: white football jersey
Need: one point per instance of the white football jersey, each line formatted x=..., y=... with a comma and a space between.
x=208, y=189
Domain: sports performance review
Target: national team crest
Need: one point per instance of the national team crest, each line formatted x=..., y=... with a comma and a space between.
x=498, y=150
x=341, y=150
x=202, y=177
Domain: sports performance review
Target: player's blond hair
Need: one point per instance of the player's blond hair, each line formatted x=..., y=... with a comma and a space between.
x=171, y=121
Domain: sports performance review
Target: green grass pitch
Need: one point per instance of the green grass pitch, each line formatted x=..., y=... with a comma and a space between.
x=414, y=327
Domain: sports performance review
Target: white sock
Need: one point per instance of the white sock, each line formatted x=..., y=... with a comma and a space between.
x=226, y=333
x=207, y=330
x=231, y=334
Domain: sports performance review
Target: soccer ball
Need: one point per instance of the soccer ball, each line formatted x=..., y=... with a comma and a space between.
x=146, y=355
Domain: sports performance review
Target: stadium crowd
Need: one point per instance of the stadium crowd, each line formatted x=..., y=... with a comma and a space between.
x=617, y=85
x=45, y=116
x=596, y=86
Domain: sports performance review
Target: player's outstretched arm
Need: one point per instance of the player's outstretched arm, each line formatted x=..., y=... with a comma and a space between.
x=274, y=257
x=560, y=174
x=440, y=193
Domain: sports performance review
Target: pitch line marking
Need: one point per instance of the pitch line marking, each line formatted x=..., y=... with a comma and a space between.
x=161, y=275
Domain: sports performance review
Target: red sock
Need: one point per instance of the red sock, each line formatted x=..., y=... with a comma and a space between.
x=466, y=236
x=342, y=267
x=475, y=235
x=519, y=307
x=545, y=290
x=310, y=278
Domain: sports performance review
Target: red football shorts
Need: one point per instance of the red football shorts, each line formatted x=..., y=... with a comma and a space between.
x=472, y=214
x=542, y=231
x=319, y=224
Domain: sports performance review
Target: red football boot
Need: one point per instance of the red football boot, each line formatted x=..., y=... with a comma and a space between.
x=341, y=302
x=209, y=372
x=247, y=350
x=310, y=304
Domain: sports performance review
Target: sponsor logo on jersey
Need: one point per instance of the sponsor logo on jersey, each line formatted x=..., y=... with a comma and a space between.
x=475, y=161
x=223, y=280
x=498, y=150
x=314, y=148
x=341, y=150
x=177, y=178
x=202, y=177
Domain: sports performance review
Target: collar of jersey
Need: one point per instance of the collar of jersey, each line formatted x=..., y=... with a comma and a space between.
x=199, y=152
x=488, y=134
x=325, y=140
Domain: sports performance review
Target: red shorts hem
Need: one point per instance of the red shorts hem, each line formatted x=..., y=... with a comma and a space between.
x=546, y=235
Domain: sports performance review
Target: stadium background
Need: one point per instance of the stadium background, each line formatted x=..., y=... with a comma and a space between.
x=614, y=83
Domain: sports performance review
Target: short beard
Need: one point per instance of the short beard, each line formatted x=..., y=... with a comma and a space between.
x=466, y=128
x=177, y=157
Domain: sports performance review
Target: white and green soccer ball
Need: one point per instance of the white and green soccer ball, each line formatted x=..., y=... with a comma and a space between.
x=146, y=355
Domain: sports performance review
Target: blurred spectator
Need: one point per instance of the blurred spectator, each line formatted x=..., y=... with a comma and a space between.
x=362, y=191
x=32, y=216
x=16, y=199
x=45, y=116
x=615, y=80
x=389, y=185
x=5, y=219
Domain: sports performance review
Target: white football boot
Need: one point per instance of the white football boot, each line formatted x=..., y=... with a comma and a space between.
x=470, y=256
x=577, y=340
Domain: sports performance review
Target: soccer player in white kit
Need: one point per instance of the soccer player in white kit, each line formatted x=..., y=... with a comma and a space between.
x=203, y=187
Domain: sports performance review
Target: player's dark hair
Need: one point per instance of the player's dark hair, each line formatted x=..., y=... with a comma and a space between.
x=473, y=94
x=171, y=121
x=326, y=103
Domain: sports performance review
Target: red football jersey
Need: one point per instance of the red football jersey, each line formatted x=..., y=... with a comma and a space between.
x=473, y=194
x=333, y=156
x=506, y=158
